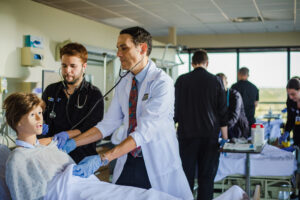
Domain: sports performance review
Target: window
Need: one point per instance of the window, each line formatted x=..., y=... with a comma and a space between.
x=182, y=69
x=223, y=63
x=295, y=64
x=268, y=71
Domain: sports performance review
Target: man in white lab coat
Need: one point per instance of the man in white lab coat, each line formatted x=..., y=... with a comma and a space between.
x=148, y=156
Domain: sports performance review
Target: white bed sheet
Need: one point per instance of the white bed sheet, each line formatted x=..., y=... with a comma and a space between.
x=272, y=161
x=272, y=128
x=233, y=193
x=65, y=186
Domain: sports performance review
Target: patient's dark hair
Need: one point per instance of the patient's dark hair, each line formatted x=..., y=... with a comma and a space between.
x=294, y=83
x=19, y=104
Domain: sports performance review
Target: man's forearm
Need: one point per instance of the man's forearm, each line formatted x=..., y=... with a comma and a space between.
x=73, y=133
x=224, y=132
x=90, y=136
x=123, y=148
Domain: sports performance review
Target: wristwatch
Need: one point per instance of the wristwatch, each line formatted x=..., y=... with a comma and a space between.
x=104, y=160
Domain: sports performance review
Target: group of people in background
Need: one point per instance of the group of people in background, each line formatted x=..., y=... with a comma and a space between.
x=204, y=107
x=151, y=155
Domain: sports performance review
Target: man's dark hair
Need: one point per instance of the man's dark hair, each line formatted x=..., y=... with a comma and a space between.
x=199, y=57
x=294, y=83
x=139, y=35
x=244, y=71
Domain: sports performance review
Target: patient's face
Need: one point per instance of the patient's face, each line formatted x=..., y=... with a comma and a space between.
x=32, y=122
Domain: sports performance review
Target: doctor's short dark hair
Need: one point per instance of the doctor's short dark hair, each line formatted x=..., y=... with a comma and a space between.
x=75, y=49
x=19, y=104
x=199, y=57
x=139, y=35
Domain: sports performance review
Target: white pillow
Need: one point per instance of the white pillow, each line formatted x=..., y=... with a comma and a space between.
x=4, y=153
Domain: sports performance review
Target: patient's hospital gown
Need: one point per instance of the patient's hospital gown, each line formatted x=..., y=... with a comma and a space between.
x=28, y=171
x=46, y=173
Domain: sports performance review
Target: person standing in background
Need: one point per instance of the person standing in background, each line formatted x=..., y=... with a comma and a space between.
x=249, y=93
x=201, y=112
x=237, y=121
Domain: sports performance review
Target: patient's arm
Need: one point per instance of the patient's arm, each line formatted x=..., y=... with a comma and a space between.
x=45, y=141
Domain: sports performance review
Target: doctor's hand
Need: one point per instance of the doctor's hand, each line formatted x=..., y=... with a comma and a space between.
x=61, y=138
x=69, y=146
x=284, y=137
x=45, y=129
x=87, y=166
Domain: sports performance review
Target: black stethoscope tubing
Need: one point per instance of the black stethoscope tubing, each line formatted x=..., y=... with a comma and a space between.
x=52, y=114
x=97, y=102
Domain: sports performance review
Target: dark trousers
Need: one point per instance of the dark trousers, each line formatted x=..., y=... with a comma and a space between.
x=134, y=173
x=203, y=153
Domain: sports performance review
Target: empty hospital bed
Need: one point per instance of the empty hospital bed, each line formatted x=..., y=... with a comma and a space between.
x=273, y=169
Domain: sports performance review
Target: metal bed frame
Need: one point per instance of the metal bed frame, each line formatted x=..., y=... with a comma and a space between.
x=270, y=185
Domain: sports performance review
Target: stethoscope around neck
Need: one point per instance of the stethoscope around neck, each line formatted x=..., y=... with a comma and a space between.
x=52, y=114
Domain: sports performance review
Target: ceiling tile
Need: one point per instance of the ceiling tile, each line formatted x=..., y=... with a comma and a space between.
x=251, y=27
x=278, y=15
x=188, y=16
x=223, y=28
x=211, y=18
x=71, y=5
x=106, y=3
x=277, y=26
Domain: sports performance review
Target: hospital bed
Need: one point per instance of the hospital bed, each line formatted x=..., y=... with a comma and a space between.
x=4, y=192
x=273, y=169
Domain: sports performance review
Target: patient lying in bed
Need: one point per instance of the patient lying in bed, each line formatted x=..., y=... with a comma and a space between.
x=34, y=171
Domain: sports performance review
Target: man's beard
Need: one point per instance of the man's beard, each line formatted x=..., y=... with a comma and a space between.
x=71, y=82
x=75, y=79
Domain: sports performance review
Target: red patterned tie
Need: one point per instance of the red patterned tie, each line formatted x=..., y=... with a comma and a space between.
x=132, y=114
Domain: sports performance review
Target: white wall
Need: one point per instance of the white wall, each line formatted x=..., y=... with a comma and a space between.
x=25, y=17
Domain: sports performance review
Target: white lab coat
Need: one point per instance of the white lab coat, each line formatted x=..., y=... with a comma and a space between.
x=155, y=131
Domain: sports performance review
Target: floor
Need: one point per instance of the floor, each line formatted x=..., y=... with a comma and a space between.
x=103, y=173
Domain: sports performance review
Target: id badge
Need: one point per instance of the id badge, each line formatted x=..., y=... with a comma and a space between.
x=297, y=120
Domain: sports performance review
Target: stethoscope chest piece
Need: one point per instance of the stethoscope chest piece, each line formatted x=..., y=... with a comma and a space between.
x=52, y=114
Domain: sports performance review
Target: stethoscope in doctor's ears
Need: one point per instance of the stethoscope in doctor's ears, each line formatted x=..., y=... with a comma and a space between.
x=52, y=114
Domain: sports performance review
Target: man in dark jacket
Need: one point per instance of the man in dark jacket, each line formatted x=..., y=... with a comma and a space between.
x=249, y=93
x=237, y=121
x=200, y=110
